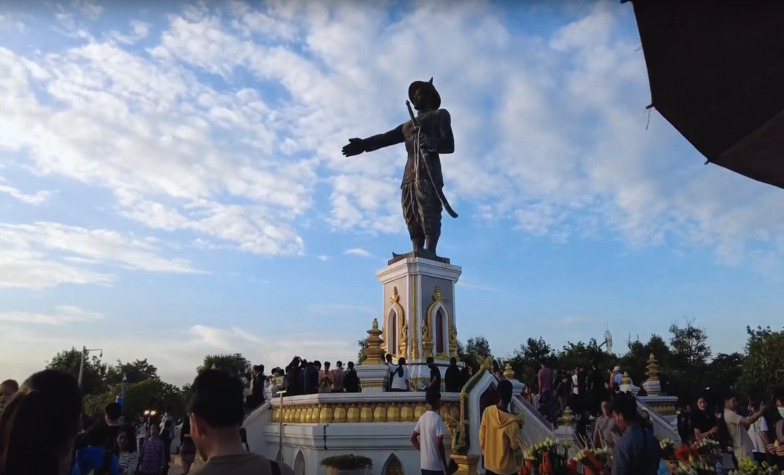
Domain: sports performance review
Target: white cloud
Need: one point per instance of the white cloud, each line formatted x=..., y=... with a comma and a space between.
x=139, y=30
x=63, y=314
x=35, y=199
x=322, y=258
x=235, y=156
x=46, y=254
x=91, y=8
x=35, y=270
x=98, y=244
x=149, y=137
x=357, y=252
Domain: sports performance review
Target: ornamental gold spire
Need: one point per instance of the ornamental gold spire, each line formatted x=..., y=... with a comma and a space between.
x=374, y=355
x=653, y=369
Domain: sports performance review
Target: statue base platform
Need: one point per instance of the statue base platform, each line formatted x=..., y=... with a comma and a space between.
x=421, y=254
x=419, y=318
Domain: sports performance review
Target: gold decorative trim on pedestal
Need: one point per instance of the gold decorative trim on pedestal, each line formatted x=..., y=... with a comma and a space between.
x=427, y=340
x=452, y=339
x=413, y=319
x=358, y=413
x=402, y=322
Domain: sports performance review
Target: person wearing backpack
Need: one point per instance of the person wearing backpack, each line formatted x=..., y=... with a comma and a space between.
x=637, y=452
x=96, y=459
x=400, y=377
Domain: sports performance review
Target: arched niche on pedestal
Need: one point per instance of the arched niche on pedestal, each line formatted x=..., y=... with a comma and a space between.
x=439, y=321
x=393, y=466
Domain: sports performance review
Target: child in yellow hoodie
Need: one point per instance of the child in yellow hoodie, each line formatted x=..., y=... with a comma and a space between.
x=498, y=435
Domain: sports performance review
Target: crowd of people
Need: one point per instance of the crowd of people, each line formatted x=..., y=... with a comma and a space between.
x=752, y=430
x=311, y=377
x=43, y=431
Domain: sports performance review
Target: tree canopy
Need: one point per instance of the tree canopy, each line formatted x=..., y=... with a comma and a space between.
x=234, y=364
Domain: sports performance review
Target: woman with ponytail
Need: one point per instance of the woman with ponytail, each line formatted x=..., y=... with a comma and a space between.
x=39, y=425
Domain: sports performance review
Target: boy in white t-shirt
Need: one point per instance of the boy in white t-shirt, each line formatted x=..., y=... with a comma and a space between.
x=758, y=433
x=428, y=437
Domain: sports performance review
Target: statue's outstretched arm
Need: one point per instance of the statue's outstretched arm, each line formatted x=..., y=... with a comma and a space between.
x=357, y=145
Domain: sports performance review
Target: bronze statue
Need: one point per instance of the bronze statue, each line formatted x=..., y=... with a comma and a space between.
x=426, y=136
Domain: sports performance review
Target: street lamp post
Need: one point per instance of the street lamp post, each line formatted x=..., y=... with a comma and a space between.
x=85, y=352
x=121, y=397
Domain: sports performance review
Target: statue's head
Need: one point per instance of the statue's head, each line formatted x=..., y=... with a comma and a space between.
x=424, y=93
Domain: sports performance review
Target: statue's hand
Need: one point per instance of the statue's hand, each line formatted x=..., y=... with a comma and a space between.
x=355, y=147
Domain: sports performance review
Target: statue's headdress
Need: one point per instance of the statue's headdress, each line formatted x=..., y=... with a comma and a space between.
x=429, y=87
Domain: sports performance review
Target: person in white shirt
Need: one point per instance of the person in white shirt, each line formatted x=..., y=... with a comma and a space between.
x=758, y=433
x=428, y=437
x=399, y=376
x=142, y=432
x=737, y=425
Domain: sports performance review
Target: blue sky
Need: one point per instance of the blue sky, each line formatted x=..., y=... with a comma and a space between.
x=171, y=182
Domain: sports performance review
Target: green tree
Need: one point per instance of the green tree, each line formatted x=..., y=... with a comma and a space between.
x=477, y=350
x=725, y=372
x=526, y=360
x=93, y=376
x=153, y=394
x=461, y=350
x=581, y=354
x=689, y=360
x=763, y=367
x=234, y=364
x=689, y=346
x=137, y=371
x=150, y=394
x=361, y=354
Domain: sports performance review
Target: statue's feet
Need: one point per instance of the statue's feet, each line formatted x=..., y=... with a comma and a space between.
x=422, y=253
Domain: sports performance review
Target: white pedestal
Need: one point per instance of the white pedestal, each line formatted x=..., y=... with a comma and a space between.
x=371, y=377
x=652, y=388
x=419, y=312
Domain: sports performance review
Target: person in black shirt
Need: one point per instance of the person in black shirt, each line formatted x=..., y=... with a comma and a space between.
x=351, y=380
x=166, y=438
x=293, y=371
x=703, y=422
x=465, y=372
x=112, y=417
x=310, y=382
x=452, y=379
x=435, y=374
